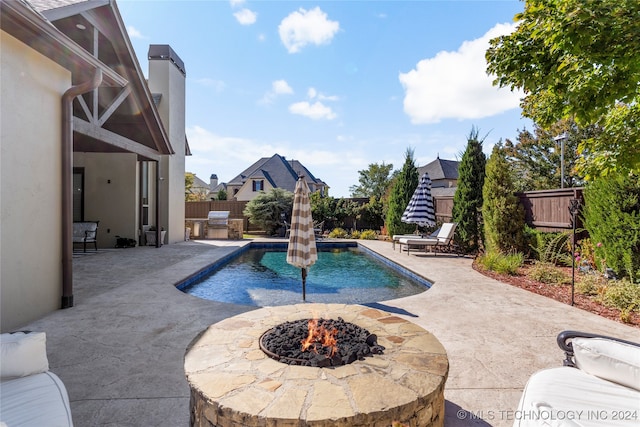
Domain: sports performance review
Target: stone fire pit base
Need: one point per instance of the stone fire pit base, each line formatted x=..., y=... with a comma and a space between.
x=233, y=383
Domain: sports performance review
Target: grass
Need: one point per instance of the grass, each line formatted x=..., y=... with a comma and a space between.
x=502, y=263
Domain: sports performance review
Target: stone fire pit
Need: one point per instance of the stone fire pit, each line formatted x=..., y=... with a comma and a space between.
x=234, y=383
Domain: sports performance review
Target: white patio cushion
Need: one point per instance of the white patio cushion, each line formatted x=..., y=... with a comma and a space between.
x=609, y=360
x=23, y=354
x=569, y=397
x=419, y=241
x=37, y=400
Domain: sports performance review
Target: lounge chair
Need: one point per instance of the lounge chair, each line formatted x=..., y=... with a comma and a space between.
x=443, y=239
x=318, y=229
x=396, y=238
x=598, y=385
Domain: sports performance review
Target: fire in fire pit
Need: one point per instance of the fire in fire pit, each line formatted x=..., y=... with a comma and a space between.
x=319, y=342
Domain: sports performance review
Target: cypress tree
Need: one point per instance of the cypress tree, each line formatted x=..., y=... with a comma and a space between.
x=467, y=200
x=403, y=188
x=502, y=213
x=612, y=218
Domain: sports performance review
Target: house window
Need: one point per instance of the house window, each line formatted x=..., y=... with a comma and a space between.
x=258, y=185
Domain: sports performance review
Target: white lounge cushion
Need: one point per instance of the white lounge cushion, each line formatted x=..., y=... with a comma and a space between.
x=609, y=360
x=37, y=400
x=23, y=354
x=569, y=397
x=419, y=241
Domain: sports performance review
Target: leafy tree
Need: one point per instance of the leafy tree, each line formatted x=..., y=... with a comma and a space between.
x=264, y=210
x=323, y=208
x=536, y=157
x=191, y=194
x=222, y=194
x=373, y=213
x=373, y=181
x=612, y=218
x=347, y=208
x=578, y=59
x=403, y=188
x=502, y=213
x=467, y=200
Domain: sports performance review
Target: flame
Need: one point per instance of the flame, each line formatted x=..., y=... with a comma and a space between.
x=318, y=334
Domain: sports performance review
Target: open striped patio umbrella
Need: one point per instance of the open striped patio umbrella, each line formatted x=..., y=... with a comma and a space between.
x=420, y=210
x=302, y=251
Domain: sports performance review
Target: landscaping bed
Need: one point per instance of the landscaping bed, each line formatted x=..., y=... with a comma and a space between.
x=560, y=292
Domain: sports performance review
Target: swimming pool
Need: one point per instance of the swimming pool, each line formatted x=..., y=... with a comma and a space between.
x=259, y=275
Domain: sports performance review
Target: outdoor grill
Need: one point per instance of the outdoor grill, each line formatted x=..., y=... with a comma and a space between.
x=218, y=225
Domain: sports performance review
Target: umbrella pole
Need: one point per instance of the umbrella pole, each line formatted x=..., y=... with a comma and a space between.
x=304, y=284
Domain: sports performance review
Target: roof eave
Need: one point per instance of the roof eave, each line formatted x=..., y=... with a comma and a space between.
x=33, y=29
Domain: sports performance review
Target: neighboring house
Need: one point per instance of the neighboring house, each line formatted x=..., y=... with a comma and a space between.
x=82, y=139
x=443, y=175
x=272, y=172
x=207, y=191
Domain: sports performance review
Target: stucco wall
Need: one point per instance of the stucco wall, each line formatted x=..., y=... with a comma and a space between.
x=110, y=190
x=246, y=192
x=166, y=78
x=31, y=87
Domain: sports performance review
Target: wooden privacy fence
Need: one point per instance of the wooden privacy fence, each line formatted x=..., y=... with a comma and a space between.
x=200, y=211
x=545, y=210
x=548, y=210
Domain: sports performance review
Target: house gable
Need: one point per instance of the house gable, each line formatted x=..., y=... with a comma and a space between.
x=278, y=173
x=108, y=119
x=443, y=173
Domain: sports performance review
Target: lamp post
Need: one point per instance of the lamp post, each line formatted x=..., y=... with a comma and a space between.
x=562, y=138
x=574, y=206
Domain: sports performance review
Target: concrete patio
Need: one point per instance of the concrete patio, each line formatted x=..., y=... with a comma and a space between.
x=120, y=349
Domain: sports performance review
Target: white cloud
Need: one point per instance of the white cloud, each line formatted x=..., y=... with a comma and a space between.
x=236, y=3
x=134, y=33
x=456, y=85
x=218, y=85
x=278, y=87
x=315, y=111
x=304, y=27
x=228, y=156
x=313, y=93
x=281, y=87
x=246, y=16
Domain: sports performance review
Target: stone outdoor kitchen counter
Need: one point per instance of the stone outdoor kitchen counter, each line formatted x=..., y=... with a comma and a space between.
x=234, y=383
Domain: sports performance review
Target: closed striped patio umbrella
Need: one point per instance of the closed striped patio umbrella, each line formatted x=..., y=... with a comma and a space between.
x=302, y=251
x=420, y=210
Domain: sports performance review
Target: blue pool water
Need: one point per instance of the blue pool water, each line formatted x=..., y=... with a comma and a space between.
x=262, y=277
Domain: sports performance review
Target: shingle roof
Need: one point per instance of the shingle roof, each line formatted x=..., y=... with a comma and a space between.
x=280, y=172
x=440, y=169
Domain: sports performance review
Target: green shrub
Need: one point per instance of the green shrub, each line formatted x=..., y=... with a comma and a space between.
x=502, y=212
x=622, y=294
x=502, y=263
x=467, y=200
x=355, y=234
x=547, y=272
x=590, y=284
x=402, y=188
x=369, y=235
x=265, y=209
x=553, y=248
x=612, y=218
x=339, y=233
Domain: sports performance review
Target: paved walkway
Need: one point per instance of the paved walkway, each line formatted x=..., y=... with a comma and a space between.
x=120, y=349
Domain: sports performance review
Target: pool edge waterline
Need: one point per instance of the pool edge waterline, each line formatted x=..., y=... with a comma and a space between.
x=228, y=258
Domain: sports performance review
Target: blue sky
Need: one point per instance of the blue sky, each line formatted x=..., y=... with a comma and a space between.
x=337, y=85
